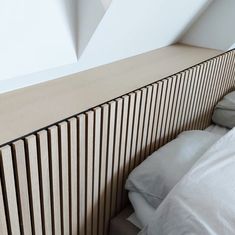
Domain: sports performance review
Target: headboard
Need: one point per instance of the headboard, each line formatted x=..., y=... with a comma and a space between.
x=68, y=178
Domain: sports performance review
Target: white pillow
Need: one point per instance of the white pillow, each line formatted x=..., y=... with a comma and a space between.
x=224, y=113
x=160, y=172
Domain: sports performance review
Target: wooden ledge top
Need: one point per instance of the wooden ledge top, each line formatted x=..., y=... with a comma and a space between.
x=29, y=109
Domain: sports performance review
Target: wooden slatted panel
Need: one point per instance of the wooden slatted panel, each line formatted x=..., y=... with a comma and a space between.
x=44, y=170
x=55, y=179
x=19, y=159
x=70, y=177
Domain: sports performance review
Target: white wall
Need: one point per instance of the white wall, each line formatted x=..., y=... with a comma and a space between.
x=215, y=28
x=128, y=28
x=232, y=47
x=133, y=27
x=34, y=36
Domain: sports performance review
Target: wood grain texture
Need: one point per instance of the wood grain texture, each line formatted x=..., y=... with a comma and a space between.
x=79, y=92
x=73, y=177
x=19, y=159
x=55, y=179
x=44, y=169
x=64, y=175
x=70, y=178
x=8, y=182
x=33, y=175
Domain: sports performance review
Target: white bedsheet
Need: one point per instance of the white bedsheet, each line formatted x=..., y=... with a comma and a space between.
x=203, y=202
x=217, y=130
x=143, y=210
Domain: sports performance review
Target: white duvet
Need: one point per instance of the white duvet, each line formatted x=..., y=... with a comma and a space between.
x=203, y=202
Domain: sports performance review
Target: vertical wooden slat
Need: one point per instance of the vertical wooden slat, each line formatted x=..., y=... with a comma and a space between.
x=146, y=122
x=210, y=79
x=131, y=107
x=175, y=98
x=122, y=151
x=64, y=179
x=151, y=117
x=119, y=104
x=109, y=168
x=140, y=126
x=161, y=115
x=96, y=176
x=233, y=71
x=187, y=103
x=103, y=157
x=89, y=169
x=135, y=130
x=156, y=116
x=204, y=97
x=8, y=182
x=19, y=160
x=82, y=173
x=3, y=220
x=73, y=177
x=55, y=179
x=184, y=101
x=198, y=103
x=33, y=174
x=196, y=94
x=178, y=105
x=42, y=137
x=230, y=72
x=171, y=87
x=213, y=87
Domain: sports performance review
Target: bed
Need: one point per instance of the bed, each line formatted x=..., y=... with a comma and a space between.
x=127, y=223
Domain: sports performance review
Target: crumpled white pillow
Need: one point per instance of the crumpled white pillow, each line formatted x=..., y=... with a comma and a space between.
x=160, y=172
x=224, y=113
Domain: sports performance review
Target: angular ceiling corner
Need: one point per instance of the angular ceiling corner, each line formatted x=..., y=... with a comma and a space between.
x=90, y=13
